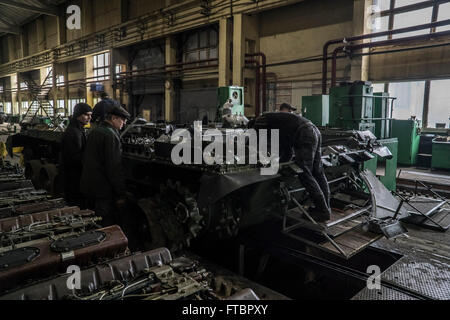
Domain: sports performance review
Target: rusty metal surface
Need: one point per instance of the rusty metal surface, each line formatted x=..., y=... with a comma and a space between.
x=14, y=223
x=49, y=263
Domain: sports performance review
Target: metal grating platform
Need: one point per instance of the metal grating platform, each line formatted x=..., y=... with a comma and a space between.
x=383, y=294
x=429, y=277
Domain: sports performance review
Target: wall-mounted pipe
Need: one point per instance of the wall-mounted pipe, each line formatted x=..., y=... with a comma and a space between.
x=369, y=36
x=264, y=77
x=380, y=44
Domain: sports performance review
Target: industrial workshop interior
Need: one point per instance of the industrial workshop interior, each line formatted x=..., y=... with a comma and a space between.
x=246, y=151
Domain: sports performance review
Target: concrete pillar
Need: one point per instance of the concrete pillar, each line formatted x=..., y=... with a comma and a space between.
x=11, y=48
x=66, y=88
x=169, y=88
x=112, y=71
x=361, y=16
x=89, y=62
x=238, y=50
x=225, y=40
x=14, y=94
x=19, y=94
x=61, y=26
x=40, y=32
x=87, y=17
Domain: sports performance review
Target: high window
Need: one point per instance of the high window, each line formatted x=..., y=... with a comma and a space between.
x=428, y=100
x=200, y=45
x=101, y=66
x=395, y=14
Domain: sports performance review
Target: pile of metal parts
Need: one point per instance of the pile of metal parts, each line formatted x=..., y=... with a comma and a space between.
x=42, y=241
x=152, y=275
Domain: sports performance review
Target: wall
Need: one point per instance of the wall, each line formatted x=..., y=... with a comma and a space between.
x=305, y=28
x=422, y=64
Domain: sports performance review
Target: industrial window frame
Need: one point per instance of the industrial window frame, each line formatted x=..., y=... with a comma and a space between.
x=102, y=64
x=426, y=100
x=198, y=49
x=393, y=11
x=72, y=103
x=7, y=107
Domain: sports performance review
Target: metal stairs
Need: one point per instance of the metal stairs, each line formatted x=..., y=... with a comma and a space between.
x=40, y=101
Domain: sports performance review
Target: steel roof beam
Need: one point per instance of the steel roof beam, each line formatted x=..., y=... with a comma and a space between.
x=47, y=10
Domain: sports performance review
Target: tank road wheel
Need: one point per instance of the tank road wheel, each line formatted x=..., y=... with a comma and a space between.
x=173, y=217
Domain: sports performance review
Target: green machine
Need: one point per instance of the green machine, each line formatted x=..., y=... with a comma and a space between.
x=316, y=109
x=441, y=154
x=408, y=134
x=352, y=107
x=236, y=94
x=389, y=178
x=382, y=112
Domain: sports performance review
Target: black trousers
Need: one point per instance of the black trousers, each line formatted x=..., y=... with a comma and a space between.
x=308, y=156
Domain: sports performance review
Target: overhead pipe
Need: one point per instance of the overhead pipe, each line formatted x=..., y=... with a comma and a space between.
x=380, y=44
x=369, y=36
x=263, y=65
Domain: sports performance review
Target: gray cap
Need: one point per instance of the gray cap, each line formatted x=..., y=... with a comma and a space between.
x=120, y=112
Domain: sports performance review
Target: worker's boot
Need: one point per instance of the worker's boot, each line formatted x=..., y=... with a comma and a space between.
x=320, y=215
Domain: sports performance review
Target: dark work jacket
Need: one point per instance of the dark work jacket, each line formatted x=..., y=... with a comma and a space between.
x=287, y=124
x=72, y=150
x=103, y=176
x=100, y=110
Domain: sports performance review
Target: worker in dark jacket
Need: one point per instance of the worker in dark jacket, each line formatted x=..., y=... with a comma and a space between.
x=103, y=181
x=72, y=150
x=301, y=137
x=102, y=108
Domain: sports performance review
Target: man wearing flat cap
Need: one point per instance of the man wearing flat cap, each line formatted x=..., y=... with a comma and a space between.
x=103, y=180
x=72, y=151
x=300, y=137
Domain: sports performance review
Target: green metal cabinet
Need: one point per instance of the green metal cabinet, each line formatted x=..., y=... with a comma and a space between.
x=351, y=105
x=316, y=109
x=407, y=133
x=441, y=155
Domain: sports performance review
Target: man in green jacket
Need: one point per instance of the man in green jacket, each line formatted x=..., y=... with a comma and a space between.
x=103, y=180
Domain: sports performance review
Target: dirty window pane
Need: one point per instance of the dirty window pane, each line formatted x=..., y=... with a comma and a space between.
x=203, y=55
x=213, y=53
x=382, y=4
x=192, y=42
x=412, y=18
x=213, y=38
x=410, y=97
x=203, y=39
x=402, y=3
x=439, y=108
x=192, y=56
x=381, y=24
x=444, y=14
